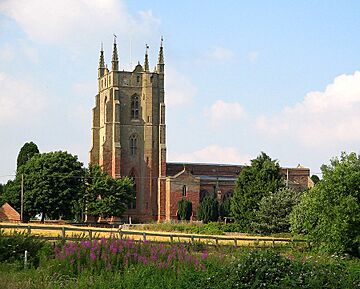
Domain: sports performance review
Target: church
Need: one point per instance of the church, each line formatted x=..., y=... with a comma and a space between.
x=129, y=139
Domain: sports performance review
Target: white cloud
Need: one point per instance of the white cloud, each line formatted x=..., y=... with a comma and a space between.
x=221, y=54
x=179, y=88
x=324, y=117
x=20, y=102
x=222, y=112
x=213, y=154
x=253, y=56
x=77, y=21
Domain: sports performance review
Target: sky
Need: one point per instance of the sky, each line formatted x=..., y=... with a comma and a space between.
x=241, y=77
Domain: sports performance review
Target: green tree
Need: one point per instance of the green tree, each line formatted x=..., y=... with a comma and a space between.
x=184, y=209
x=106, y=196
x=208, y=210
x=224, y=208
x=254, y=182
x=11, y=193
x=53, y=183
x=11, y=190
x=274, y=211
x=27, y=151
x=315, y=179
x=330, y=212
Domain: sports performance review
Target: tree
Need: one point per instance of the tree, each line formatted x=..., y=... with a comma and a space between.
x=224, y=208
x=330, y=212
x=11, y=193
x=53, y=183
x=27, y=151
x=11, y=190
x=208, y=210
x=106, y=196
x=253, y=183
x=184, y=209
x=315, y=179
x=274, y=210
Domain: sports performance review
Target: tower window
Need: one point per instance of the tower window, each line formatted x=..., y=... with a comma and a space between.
x=135, y=106
x=133, y=145
x=138, y=78
x=184, y=191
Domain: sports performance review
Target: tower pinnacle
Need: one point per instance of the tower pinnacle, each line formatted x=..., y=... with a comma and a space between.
x=101, y=62
x=160, y=66
x=115, y=59
x=146, y=63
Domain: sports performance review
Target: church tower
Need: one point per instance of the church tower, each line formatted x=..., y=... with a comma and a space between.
x=128, y=130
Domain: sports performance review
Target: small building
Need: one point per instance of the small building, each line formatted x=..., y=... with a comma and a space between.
x=9, y=214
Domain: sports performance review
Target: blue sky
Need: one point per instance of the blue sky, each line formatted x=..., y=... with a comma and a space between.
x=241, y=77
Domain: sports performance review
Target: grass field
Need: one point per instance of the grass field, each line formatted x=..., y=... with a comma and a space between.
x=152, y=232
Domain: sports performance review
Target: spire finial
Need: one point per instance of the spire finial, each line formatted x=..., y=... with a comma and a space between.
x=146, y=63
x=115, y=59
x=160, y=68
x=101, y=62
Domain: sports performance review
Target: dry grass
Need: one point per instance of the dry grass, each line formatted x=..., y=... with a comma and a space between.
x=77, y=232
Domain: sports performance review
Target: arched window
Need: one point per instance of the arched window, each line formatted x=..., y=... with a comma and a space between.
x=184, y=191
x=135, y=106
x=133, y=145
x=132, y=204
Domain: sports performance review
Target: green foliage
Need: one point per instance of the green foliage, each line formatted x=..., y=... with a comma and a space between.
x=224, y=208
x=11, y=193
x=274, y=210
x=12, y=247
x=246, y=269
x=254, y=182
x=184, y=209
x=106, y=196
x=208, y=210
x=315, y=179
x=330, y=212
x=27, y=151
x=53, y=183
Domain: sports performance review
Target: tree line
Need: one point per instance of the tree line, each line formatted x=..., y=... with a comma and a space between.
x=58, y=186
x=327, y=214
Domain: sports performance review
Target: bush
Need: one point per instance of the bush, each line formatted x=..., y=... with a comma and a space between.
x=12, y=248
x=208, y=210
x=274, y=210
x=330, y=213
x=184, y=209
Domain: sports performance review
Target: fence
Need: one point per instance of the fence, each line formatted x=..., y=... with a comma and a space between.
x=54, y=233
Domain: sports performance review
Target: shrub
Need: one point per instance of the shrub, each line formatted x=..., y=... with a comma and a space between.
x=12, y=247
x=208, y=210
x=330, y=212
x=274, y=210
x=184, y=209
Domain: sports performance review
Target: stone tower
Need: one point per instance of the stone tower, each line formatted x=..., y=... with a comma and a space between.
x=128, y=130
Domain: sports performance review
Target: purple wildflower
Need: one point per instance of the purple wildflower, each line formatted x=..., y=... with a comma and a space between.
x=92, y=256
